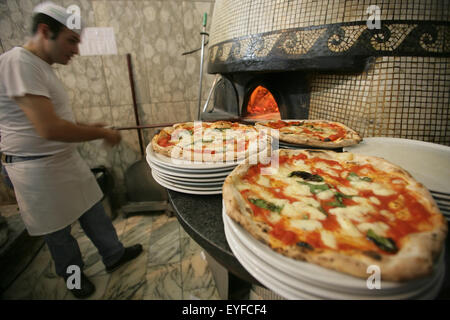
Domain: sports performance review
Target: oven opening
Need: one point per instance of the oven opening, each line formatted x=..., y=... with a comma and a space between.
x=262, y=105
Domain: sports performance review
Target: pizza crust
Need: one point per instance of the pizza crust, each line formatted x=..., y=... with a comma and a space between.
x=416, y=257
x=166, y=151
x=351, y=137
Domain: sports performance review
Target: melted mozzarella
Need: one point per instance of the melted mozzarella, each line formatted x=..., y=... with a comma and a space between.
x=297, y=189
x=301, y=166
x=364, y=203
x=323, y=166
x=325, y=195
x=375, y=200
x=376, y=188
x=344, y=174
x=300, y=209
x=305, y=225
x=328, y=238
x=380, y=228
x=310, y=201
x=263, y=181
x=274, y=217
x=312, y=212
x=388, y=214
x=243, y=186
x=346, y=225
x=357, y=213
x=347, y=190
x=290, y=211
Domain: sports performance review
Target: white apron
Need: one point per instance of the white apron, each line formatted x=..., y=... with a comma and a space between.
x=53, y=192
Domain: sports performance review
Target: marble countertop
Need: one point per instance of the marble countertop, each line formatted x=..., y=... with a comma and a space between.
x=201, y=218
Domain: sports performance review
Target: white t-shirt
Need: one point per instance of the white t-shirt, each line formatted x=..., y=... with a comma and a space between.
x=22, y=72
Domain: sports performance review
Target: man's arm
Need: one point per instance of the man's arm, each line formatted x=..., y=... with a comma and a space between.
x=39, y=110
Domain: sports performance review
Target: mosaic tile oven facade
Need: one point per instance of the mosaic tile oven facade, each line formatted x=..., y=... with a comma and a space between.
x=392, y=81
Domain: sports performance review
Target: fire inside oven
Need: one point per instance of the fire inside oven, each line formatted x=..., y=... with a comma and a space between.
x=262, y=105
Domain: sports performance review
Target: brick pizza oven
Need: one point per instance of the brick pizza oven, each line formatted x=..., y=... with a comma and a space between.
x=323, y=60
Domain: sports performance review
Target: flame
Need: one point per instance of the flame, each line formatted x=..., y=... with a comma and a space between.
x=262, y=104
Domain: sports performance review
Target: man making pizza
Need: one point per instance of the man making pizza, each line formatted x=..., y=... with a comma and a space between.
x=54, y=187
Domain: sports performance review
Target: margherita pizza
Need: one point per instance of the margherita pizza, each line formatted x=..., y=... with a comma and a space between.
x=314, y=133
x=210, y=141
x=342, y=211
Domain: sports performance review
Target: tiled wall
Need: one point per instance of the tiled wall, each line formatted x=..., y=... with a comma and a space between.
x=237, y=19
x=155, y=33
x=403, y=97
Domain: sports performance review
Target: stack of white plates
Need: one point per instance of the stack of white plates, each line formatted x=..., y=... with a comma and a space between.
x=186, y=176
x=428, y=163
x=293, y=279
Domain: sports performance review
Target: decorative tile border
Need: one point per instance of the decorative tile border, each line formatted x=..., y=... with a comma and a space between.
x=294, y=47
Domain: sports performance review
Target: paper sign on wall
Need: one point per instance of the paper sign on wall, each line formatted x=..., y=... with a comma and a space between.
x=98, y=41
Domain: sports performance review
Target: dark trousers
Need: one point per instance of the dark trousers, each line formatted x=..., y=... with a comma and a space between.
x=98, y=227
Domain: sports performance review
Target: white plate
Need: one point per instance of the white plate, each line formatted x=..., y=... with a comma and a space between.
x=428, y=163
x=284, y=291
x=184, y=164
x=182, y=190
x=318, y=275
x=181, y=183
x=313, y=291
x=196, y=174
x=198, y=178
x=177, y=184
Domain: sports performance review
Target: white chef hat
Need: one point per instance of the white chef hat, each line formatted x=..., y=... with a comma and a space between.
x=61, y=15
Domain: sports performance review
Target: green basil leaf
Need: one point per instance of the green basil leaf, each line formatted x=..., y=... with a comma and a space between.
x=341, y=195
x=354, y=177
x=315, y=188
x=323, y=211
x=306, y=176
x=266, y=205
x=339, y=203
x=305, y=245
x=336, y=204
x=385, y=244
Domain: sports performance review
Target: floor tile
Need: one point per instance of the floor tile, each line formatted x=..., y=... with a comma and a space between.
x=209, y=293
x=163, y=282
x=189, y=247
x=172, y=266
x=124, y=283
x=22, y=287
x=165, y=244
x=196, y=273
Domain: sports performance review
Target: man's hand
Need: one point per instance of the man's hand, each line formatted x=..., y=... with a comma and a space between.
x=112, y=137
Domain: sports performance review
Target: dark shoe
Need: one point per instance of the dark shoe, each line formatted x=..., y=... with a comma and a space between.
x=87, y=288
x=129, y=254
